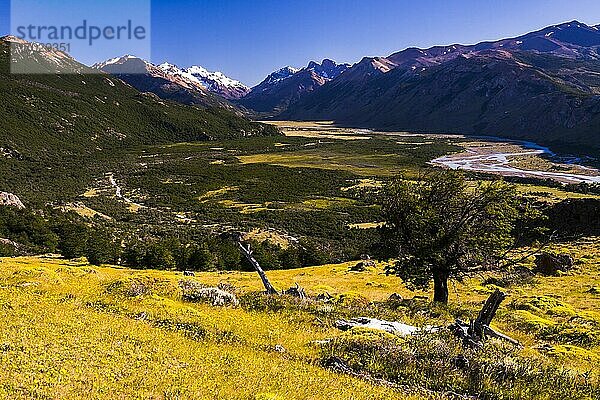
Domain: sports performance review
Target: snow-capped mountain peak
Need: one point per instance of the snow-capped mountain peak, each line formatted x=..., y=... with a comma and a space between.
x=169, y=67
x=327, y=70
x=281, y=74
x=126, y=65
x=216, y=82
x=199, y=70
x=286, y=85
x=118, y=61
x=195, y=76
x=217, y=76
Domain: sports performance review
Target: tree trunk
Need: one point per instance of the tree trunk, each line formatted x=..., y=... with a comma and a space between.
x=248, y=253
x=440, y=287
x=476, y=332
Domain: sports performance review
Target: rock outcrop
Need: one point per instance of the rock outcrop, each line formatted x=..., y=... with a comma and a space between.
x=9, y=199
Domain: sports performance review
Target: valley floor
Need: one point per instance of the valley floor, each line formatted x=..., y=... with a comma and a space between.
x=73, y=331
x=490, y=155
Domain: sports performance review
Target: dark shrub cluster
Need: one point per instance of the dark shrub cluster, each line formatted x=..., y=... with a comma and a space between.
x=24, y=231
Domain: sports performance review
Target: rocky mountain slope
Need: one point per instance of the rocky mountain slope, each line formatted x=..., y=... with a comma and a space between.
x=287, y=85
x=543, y=86
x=166, y=81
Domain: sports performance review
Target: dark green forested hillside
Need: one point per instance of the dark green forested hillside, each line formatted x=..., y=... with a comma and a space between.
x=59, y=132
x=82, y=112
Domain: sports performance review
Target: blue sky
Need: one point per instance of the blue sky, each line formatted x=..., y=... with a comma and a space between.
x=247, y=39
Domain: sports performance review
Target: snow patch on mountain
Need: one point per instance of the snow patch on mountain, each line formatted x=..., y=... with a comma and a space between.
x=195, y=77
x=118, y=61
x=328, y=69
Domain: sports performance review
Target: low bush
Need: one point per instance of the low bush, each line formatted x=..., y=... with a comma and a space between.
x=141, y=285
x=197, y=292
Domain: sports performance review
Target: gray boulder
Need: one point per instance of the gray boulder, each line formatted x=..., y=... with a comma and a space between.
x=9, y=199
x=552, y=264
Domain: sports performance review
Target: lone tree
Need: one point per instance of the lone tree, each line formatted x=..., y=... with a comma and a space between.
x=443, y=226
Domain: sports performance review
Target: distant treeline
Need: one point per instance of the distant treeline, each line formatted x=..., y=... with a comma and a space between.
x=574, y=217
x=27, y=232
x=583, y=187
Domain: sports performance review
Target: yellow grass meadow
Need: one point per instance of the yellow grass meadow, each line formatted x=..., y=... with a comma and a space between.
x=72, y=331
x=66, y=334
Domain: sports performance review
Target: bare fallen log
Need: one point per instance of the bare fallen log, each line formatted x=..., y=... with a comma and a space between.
x=474, y=333
x=463, y=330
x=497, y=335
x=395, y=328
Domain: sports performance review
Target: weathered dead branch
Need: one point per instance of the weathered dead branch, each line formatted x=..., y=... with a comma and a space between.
x=472, y=334
x=247, y=251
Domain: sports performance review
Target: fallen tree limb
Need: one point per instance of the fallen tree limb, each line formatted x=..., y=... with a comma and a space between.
x=477, y=331
x=463, y=330
x=472, y=334
x=497, y=335
x=395, y=328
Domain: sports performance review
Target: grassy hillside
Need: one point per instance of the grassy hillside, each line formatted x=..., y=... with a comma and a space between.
x=72, y=331
x=78, y=331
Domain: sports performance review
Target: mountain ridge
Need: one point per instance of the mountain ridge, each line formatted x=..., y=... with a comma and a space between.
x=286, y=85
x=215, y=82
x=211, y=81
x=543, y=86
x=164, y=82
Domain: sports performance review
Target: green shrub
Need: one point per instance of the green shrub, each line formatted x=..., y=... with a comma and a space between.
x=28, y=229
x=73, y=236
x=102, y=248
